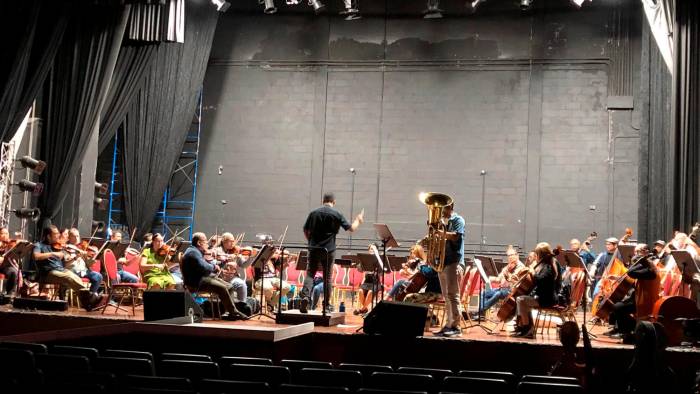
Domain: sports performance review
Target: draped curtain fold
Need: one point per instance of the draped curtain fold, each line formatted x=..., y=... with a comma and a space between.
x=74, y=94
x=157, y=123
x=33, y=32
x=129, y=76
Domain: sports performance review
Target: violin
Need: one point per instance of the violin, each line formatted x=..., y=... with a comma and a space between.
x=166, y=250
x=57, y=246
x=5, y=246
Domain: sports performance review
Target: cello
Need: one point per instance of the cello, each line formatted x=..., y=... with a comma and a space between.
x=524, y=286
x=608, y=286
x=667, y=310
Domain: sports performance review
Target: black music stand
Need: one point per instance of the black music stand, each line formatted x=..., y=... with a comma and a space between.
x=626, y=253
x=488, y=267
x=370, y=262
x=259, y=261
x=17, y=254
x=686, y=264
x=388, y=240
x=573, y=259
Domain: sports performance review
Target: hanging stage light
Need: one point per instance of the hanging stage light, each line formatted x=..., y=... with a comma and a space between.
x=432, y=10
x=28, y=213
x=352, y=10
x=269, y=6
x=101, y=203
x=28, y=186
x=38, y=166
x=221, y=5
x=471, y=5
x=101, y=188
x=319, y=7
x=525, y=5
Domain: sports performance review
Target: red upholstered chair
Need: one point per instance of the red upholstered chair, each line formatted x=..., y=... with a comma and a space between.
x=126, y=289
x=132, y=265
x=341, y=284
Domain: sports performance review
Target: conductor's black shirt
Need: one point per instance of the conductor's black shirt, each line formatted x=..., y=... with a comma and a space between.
x=322, y=225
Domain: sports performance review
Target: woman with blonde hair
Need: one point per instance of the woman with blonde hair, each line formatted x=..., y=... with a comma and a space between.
x=416, y=257
x=545, y=276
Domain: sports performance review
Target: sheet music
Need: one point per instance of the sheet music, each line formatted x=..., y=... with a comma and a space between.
x=485, y=278
x=373, y=249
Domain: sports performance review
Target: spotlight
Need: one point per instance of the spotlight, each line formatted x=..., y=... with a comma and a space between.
x=318, y=6
x=101, y=188
x=28, y=186
x=98, y=225
x=35, y=165
x=101, y=203
x=221, y=5
x=269, y=9
x=351, y=10
x=28, y=213
x=525, y=5
x=578, y=3
x=471, y=5
x=432, y=10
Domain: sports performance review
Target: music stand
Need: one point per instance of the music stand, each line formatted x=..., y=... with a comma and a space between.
x=396, y=264
x=259, y=261
x=573, y=259
x=686, y=264
x=371, y=262
x=626, y=253
x=388, y=240
x=487, y=268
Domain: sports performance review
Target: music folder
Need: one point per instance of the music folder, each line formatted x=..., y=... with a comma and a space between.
x=21, y=249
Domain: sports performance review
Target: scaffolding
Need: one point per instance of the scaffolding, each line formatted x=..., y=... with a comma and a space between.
x=6, y=175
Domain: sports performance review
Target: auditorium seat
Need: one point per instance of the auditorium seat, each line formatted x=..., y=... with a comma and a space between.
x=244, y=360
x=296, y=365
x=155, y=382
x=52, y=364
x=379, y=391
x=124, y=366
x=549, y=379
x=365, y=369
x=127, y=354
x=216, y=386
x=305, y=389
x=400, y=381
x=273, y=375
x=89, y=352
x=82, y=382
x=330, y=378
x=18, y=368
x=437, y=374
x=35, y=348
x=195, y=370
x=458, y=384
x=185, y=357
x=548, y=388
x=509, y=377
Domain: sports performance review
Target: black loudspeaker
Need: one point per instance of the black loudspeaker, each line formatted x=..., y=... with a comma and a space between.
x=396, y=319
x=39, y=304
x=168, y=304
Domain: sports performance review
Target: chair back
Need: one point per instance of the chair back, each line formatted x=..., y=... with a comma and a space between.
x=110, y=263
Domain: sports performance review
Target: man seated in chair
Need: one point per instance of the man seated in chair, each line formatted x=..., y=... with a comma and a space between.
x=122, y=275
x=78, y=261
x=234, y=265
x=200, y=275
x=48, y=255
x=509, y=276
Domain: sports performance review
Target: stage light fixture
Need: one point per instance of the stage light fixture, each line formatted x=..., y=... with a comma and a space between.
x=578, y=3
x=221, y=5
x=269, y=6
x=525, y=5
x=38, y=166
x=432, y=10
x=318, y=6
x=471, y=5
x=28, y=213
x=101, y=188
x=352, y=11
x=101, y=203
x=28, y=186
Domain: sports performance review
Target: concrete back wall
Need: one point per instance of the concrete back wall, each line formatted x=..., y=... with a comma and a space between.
x=292, y=102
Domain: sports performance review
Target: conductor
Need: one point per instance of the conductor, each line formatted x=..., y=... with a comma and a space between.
x=320, y=229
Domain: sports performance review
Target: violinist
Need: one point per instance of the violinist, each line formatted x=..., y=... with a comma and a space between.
x=154, y=266
x=641, y=298
x=9, y=266
x=270, y=282
x=416, y=258
x=507, y=278
x=546, y=276
x=234, y=265
x=173, y=261
x=48, y=255
x=77, y=260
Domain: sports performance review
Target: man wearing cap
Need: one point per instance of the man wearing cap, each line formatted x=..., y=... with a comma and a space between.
x=601, y=262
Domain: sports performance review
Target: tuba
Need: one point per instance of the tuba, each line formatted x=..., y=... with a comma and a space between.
x=434, y=242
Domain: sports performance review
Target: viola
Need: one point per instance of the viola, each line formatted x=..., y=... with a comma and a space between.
x=166, y=250
x=5, y=246
x=57, y=246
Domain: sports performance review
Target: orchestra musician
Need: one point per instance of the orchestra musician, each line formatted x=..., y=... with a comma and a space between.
x=48, y=255
x=584, y=250
x=453, y=270
x=232, y=262
x=269, y=280
x=174, y=260
x=368, y=288
x=147, y=239
x=507, y=278
x=200, y=275
x=122, y=275
x=545, y=277
x=601, y=262
x=641, y=298
x=75, y=260
x=154, y=265
x=9, y=266
x=416, y=258
x=320, y=229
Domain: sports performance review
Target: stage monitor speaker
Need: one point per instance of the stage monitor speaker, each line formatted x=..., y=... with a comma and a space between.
x=396, y=319
x=168, y=304
x=39, y=304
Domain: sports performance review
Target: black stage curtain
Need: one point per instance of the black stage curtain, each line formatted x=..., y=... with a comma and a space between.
x=685, y=141
x=129, y=75
x=158, y=119
x=32, y=32
x=74, y=94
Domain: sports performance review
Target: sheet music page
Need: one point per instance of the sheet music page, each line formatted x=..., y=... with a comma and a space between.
x=485, y=278
x=373, y=249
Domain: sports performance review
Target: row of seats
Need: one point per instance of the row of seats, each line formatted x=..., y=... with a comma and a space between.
x=173, y=371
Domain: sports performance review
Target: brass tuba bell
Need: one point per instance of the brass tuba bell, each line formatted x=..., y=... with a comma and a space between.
x=434, y=243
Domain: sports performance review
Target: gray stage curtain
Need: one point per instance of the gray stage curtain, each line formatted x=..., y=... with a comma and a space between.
x=159, y=117
x=32, y=32
x=685, y=142
x=74, y=94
